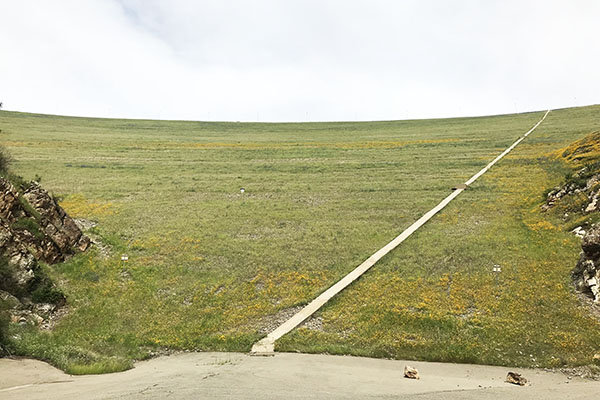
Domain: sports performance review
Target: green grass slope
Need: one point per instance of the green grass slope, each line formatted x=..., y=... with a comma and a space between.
x=208, y=265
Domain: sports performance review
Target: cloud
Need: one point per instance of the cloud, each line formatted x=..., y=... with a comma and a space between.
x=297, y=60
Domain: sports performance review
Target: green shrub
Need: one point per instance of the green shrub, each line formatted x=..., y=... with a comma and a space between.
x=47, y=294
x=42, y=290
x=3, y=329
x=7, y=282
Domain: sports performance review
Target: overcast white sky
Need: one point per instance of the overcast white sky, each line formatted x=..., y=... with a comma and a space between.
x=297, y=60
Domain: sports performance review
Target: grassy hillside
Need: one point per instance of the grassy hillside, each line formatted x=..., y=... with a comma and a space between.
x=208, y=265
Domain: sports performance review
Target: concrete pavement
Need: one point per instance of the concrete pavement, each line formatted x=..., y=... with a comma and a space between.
x=290, y=376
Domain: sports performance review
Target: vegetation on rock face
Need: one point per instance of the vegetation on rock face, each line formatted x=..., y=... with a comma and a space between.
x=207, y=263
x=30, y=225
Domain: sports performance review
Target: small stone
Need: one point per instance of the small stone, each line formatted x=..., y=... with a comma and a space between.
x=45, y=309
x=579, y=232
x=411, y=373
x=37, y=319
x=516, y=379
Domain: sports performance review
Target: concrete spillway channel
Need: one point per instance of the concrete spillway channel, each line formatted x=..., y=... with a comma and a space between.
x=266, y=345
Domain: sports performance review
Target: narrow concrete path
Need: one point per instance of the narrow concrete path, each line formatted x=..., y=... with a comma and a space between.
x=266, y=345
x=287, y=376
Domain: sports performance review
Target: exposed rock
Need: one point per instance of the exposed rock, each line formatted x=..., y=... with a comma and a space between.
x=583, y=188
x=516, y=379
x=411, y=373
x=58, y=236
x=587, y=272
x=10, y=207
x=579, y=232
x=593, y=206
x=56, y=224
x=591, y=243
x=32, y=228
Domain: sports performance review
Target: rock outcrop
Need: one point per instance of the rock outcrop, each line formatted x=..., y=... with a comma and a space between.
x=587, y=272
x=581, y=194
x=62, y=236
x=33, y=228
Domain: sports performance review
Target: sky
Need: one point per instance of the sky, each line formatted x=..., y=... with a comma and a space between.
x=297, y=60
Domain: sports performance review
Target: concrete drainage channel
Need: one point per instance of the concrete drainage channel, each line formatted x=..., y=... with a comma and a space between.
x=266, y=346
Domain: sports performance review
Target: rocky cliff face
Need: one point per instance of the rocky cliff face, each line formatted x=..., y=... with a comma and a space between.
x=587, y=272
x=33, y=229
